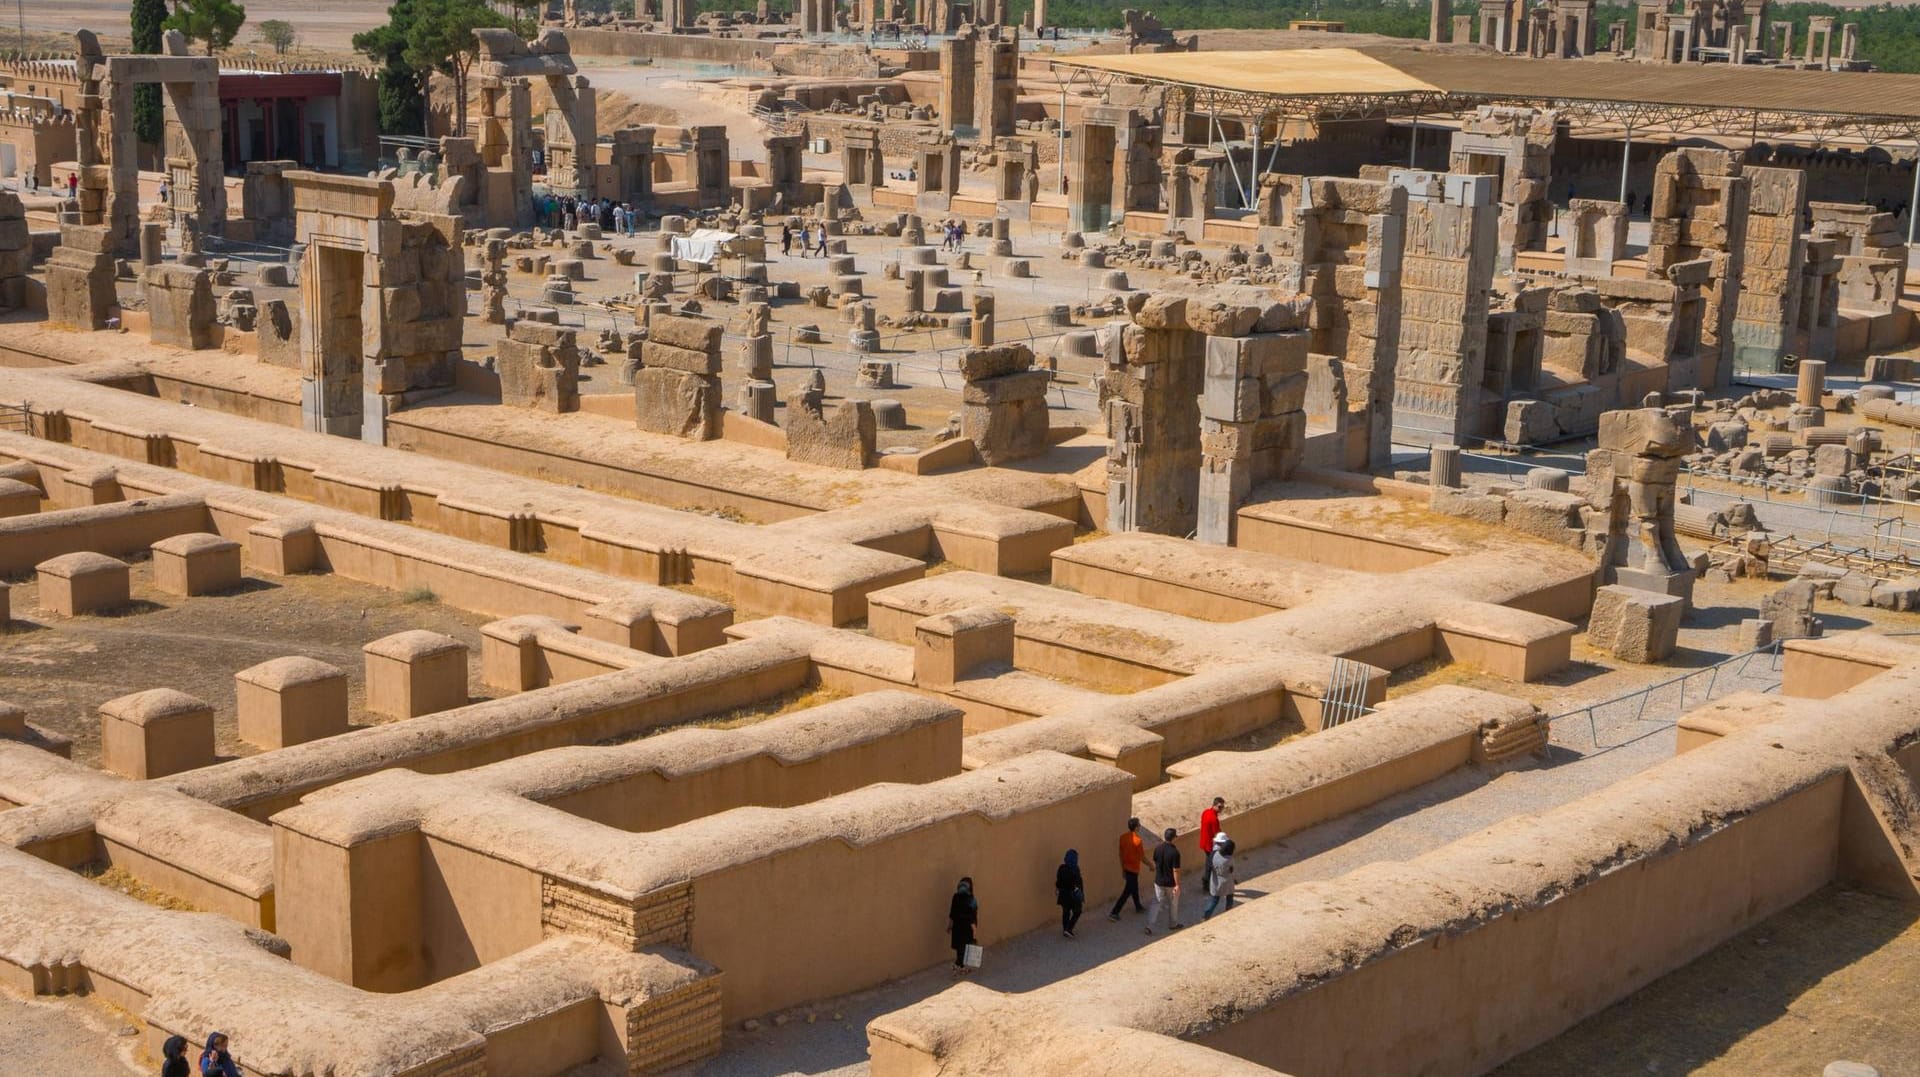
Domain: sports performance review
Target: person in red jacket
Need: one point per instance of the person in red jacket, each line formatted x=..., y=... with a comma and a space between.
x=1209, y=830
x=1133, y=854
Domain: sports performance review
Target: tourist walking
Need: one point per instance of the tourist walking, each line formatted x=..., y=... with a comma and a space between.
x=174, y=1058
x=806, y=240
x=73, y=185
x=1133, y=853
x=1166, y=883
x=1221, y=888
x=1069, y=891
x=1209, y=830
x=215, y=1061
x=786, y=239
x=963, y=915
x=619, y=221
x=821, y=250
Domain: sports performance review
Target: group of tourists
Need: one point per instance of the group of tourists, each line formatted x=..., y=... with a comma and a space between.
x=214, y=1060
x=812, y=236
x=1217, y=879
x=569, y=213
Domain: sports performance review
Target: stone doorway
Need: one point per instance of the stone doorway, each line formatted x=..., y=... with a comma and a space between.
x=337, y=292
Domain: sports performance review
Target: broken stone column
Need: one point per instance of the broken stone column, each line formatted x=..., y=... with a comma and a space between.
x=758, y=400
x=980, y=308
x=677, y=388
x=180, y=306
x=539, y=367
x=80, y=274
x=864, y=336
x=1812, y=386
x=915, y=280
x=153, y=243
x=755, y=361
x=1631, y=476
x=493, y=283
x=1003, y=407
x=1443, y=467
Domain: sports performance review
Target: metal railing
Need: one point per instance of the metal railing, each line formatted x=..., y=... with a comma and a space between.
x=17, y=418
x=1669, y=700
x=1346, y=697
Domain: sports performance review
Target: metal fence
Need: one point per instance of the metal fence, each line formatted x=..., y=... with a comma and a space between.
x=1661, y=705
x=1346, y=697
x=17, y=418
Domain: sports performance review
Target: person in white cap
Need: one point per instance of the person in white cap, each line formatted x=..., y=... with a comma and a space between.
x=1220, y=882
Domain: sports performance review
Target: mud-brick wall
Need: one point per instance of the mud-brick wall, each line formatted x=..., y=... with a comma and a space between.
x=1467, y=1001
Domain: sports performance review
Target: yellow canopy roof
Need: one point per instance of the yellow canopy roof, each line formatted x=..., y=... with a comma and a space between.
x=1284, y=72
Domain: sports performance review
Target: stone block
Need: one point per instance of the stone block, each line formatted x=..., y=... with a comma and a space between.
x=843, y=437
x=663, y=356
x=1854, y=589
x=949, y=647
x=414, y=673
x=155, y=733
x=677, y=402
x=180, y=306
x=1635, y=625
x=77, y=583
x=196, y=564
x=1754, y=634
x=978, y=364
x=684, y=331
x=1901, y=595
x=1026, y=385
x=289, y=701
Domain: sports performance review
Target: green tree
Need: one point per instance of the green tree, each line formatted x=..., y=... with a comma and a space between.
x=440, y=38
x=215, y=22
x=147, y=18
x=402, y=104
x=279, y=33
x=522, y=16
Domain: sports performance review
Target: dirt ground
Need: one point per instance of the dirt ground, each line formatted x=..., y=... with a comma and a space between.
x=1835, y=977
x=82, y=1037
x=62, y=669
x=328, y=24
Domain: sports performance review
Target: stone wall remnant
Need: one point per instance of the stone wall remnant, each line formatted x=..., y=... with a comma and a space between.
x=1003, y=407
x=539, y=367
x=80, y=274
x=843, y=436
x=1596, y=236
x=107, y=148
x=677, y=388
x=383, y=300
x=1514, y=145
x=180, y=306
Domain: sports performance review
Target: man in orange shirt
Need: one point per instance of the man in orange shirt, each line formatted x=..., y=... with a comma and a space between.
x=1209, y=830
x=1133, y=853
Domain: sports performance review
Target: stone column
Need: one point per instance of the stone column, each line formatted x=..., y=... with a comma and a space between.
x=1813, y=383
x=1443, y=466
